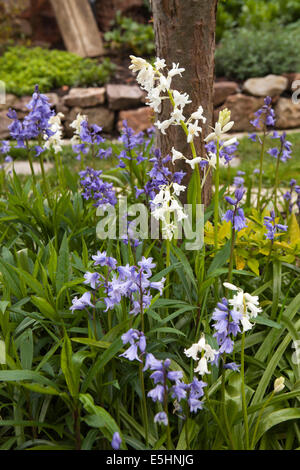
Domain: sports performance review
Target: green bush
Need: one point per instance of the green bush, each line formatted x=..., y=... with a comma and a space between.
x=21, y=68
x=130, y=35
x=245, y=53
x=256, y=13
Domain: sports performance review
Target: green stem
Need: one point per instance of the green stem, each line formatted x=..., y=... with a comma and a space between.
x=261, y=170
x=193, y=149
x=169, y=440
x=76, y=417
x=265, y=270
x=216, y=199
x=187, y=430
x=168, y=244
x=61, y=172
x=144, y=404
x=244, y=402
x=31, y=164
x=259, y=418
x=45, y=180
x=2, y=179
x=276, y=181
x=231, y=254
x=215, y=416
x=224, y=412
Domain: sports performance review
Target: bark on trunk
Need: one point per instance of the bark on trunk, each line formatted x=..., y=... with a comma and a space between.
x=185, y=33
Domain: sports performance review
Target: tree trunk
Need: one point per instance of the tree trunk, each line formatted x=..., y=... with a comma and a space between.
x=185, y=33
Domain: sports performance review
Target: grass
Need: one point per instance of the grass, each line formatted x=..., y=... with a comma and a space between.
x=248, y=153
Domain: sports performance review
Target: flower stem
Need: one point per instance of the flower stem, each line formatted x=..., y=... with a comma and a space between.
x=216, y=200
x=76, y=417
x=224, y=412
x=167, y=265
x=244, y=403
x=276, y=182
x=169, y=441
x=193, y=149
x=31, y=163
x=231, y=254
x=144, y=405
x=259, y=418
x=45, y=180
x=261, y=170
x=215, y=416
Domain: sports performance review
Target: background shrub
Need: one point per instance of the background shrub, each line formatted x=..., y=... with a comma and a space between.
x=128, y=34
x=21, y=68
x=257, y=13
x=245, y=53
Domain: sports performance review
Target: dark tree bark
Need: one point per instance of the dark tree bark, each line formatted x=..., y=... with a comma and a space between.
x=185, y=33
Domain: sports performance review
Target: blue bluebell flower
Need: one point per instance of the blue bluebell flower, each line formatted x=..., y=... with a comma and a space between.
x=83, y=302
x=161, y=418
x=137, y=348
x=264, y=117
x=285, y=150
x=116, y=441
x=35, y=124
x=227, y=326
x=272, y=227
x=236, y=215
x=95, y=188
x=226, y=152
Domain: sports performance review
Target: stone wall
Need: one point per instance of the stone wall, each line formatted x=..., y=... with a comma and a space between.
x=109, y=106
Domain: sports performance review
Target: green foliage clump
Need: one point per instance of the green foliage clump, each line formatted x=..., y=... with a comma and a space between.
x=131, y=35
x=255, y=13
x=21, y=68
x=245, y=53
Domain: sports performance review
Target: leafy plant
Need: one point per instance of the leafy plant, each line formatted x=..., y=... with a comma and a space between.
x=127, y=34
x=255, y=13
x=246, y=52
x=21, y=68
x=71, y=300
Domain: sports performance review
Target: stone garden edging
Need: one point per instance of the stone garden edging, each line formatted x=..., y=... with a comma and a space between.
x=108, y=106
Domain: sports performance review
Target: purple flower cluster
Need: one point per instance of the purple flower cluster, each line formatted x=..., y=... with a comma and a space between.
x=227, y=326
x=285, y=150
x=236, y=215
x=238, y=181
x=130, y=282
x=129, y=139
x=133, y=282
x=89, y=138
x=35, y=124
x=227, y=153
x=4, y=149
x=133, y=146
x=288, y=196
x=130, y=236
x=192, y=392
x=137, y=341
x=170, y=383
x=272, y=227
x=160, y=174
x=139, y=148
x=264, y=117
x=97, y=189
